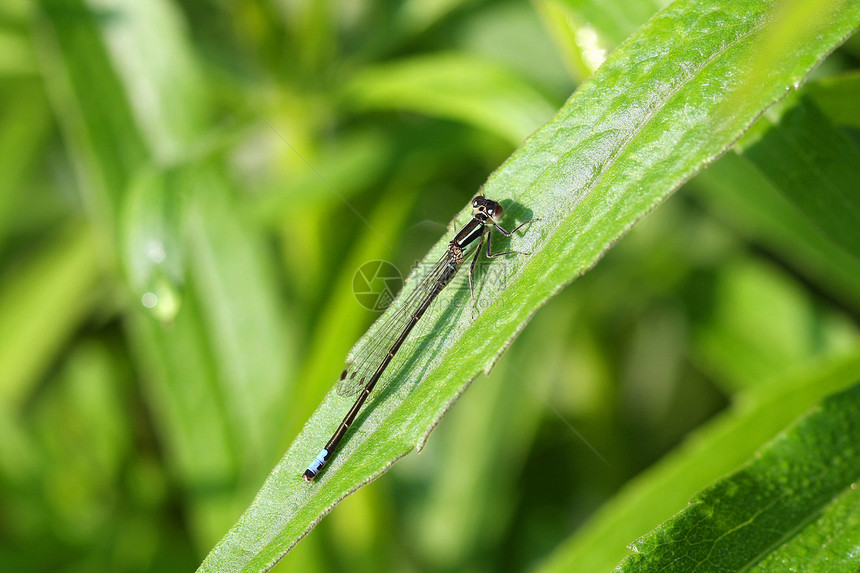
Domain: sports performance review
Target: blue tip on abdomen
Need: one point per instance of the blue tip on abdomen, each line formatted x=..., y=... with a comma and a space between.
x=316, y=465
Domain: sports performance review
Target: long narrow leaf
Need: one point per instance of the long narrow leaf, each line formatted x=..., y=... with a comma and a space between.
x=793, y=507
x=817, y=168
x=665, y=104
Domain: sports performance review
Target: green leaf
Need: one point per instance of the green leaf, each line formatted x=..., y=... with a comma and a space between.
x=417, y=15
x=217, y=357
x=756, y=416
x=79, y=422
x=125, y=90
x=817, y=168
x=793, y=507
x=663, y=106
x=585, y=31
x=24, y=126
x=16, y=54
x=351, y=163
x=454, y=86
x=839, y=98
x=42, y=306
x=203, y=317
x=736, y=190
x=152, y=57
x=90, y=102
x=760, y=324
x=512, y=34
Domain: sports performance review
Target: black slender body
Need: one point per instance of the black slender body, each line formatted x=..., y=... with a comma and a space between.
x=484, y=212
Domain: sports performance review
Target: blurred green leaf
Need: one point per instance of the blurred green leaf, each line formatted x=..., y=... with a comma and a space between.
x=454, y=86
x=154, y=251
x=791, y=507
x=350, y=164
x=40, y=307
x=16, y=54
x=24, y=126
x=616, y=19
x=513, y=35
x=738, y=192
x=838, y=97
x=716, y=449
x=760, y=324
x=125, y=89
x=753, y=188
x=217, y=363
x=151, y=54
x=80, y=423
x=621, y=145
x=204, y=322
x=417, y=15
x=90, y=102
x=817, y=168
x=586, y=31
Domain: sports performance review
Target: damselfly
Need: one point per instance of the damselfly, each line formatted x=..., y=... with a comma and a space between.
x=374, y=357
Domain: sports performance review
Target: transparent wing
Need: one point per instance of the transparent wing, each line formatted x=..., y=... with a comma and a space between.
x=369, y=356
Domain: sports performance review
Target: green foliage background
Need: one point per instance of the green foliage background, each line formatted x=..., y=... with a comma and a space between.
x=238, y=163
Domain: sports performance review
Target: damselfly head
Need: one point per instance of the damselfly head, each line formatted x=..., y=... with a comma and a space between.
x=490, y=208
